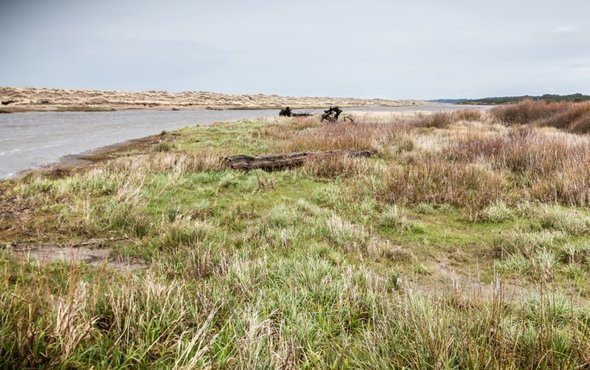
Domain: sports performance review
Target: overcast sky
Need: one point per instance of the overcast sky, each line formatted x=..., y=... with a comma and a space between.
x=370, y=48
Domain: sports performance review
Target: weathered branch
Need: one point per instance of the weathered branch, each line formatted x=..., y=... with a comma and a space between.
x=272, y=162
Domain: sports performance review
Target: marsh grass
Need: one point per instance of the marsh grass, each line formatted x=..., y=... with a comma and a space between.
x=153, y=321
x=497, y=212
x=427, y=179
x=435, y=120
x=574, y=117
x=528, y=111
x=343, y=263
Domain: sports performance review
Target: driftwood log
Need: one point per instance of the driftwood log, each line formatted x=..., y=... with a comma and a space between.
x=272, y=162
x=287, y=112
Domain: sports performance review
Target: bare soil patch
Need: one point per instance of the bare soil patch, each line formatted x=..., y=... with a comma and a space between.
x=75, y=254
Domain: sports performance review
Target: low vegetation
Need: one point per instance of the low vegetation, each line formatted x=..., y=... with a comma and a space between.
x=563, y=115
x=464, y=243
x=573, y=98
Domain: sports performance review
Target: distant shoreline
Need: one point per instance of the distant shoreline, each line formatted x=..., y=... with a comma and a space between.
x=31, y=99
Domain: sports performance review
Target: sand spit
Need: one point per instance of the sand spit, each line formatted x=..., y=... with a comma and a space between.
x=21, y=99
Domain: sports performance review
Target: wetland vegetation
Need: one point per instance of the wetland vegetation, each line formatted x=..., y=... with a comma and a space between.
x=464, y=243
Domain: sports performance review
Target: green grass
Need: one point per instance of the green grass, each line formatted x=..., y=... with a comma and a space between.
x=285, y=269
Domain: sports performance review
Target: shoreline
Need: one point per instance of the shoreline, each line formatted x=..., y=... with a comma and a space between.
x=71, y=163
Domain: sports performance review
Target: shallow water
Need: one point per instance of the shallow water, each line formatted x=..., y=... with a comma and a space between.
x=35, y=139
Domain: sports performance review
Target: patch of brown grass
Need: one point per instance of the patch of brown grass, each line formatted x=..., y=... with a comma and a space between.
x=528, y=111
x=570, y=186
x=523, y=150
x=469, y=115
x=333, y=166
x=163, y=161
x=576, y=119
x=429, y=178
x=345, y=136
x=545, y=166
x=437, y=120
x=444, y=119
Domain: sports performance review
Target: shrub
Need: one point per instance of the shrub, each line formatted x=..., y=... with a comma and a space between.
x=528, y=111
x=576, y=118
x=581, y=125
x=570, y=186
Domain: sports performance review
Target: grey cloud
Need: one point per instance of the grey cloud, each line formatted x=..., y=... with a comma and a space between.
x=387, y=48
x=565, y=30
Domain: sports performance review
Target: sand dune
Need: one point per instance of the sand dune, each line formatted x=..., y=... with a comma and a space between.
x=16, y=99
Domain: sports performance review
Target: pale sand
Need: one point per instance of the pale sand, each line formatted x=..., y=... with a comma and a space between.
x=18, y=99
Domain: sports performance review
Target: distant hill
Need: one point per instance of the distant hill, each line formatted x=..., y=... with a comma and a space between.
x=515, y=99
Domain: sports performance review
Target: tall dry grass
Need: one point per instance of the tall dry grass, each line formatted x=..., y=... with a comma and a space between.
x=344, y=136
x=167, y=161
x=552, y=167
x=528, y=111
x=330, y=167
x=574, y=117
x=445, y=119
x=523, y=149
x=438, y=158
x=426, y=178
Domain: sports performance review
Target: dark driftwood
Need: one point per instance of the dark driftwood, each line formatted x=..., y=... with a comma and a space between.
x=332, y=114
x=287, y=112
x=272, y=162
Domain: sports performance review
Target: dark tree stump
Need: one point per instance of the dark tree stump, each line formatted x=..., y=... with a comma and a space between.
x=332, y=114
